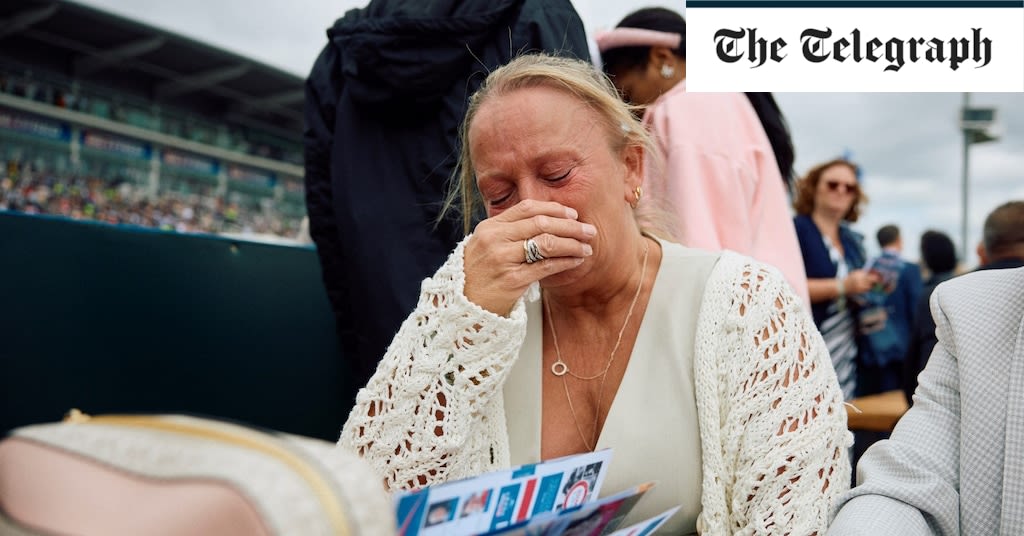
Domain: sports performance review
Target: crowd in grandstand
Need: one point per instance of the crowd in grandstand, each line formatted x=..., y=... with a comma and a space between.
x=72, y=96
x=118, y=200
x=124, y=202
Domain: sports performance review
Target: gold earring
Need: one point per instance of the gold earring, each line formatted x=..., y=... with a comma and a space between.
x=638, y=192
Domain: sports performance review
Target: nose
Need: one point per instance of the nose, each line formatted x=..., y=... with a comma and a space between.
x=531, y=188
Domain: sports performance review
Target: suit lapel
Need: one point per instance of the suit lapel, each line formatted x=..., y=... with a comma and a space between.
x=1012, y=521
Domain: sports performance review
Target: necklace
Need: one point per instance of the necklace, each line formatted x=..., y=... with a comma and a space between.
x=560, y=368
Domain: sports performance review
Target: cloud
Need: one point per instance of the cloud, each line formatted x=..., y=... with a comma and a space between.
x=286, y=35
x=911, y=150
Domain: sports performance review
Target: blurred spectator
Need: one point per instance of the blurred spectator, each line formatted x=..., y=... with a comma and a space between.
x=938, y=254
x=384, y=102
x=886, y=326
x=728, y=157
x=828, y=199
x=1001, y=247
x=122, y=202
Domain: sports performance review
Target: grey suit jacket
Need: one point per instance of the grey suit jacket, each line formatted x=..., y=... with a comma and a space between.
x=955, y=462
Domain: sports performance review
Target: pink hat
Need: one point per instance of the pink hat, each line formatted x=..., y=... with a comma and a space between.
x=636, y=37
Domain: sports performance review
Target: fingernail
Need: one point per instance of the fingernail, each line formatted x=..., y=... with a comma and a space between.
x=579, y=261
x=587, y=250
x=571, y=213
x=589, y=230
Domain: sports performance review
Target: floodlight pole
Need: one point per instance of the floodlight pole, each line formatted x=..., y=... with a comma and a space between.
x=963, y=185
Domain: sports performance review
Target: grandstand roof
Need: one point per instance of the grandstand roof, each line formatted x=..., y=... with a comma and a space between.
x=98, y=47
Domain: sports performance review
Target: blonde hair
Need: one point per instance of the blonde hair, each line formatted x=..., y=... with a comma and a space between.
x=577, y=78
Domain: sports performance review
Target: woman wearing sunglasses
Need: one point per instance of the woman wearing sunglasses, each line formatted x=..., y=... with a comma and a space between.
x=828, y=199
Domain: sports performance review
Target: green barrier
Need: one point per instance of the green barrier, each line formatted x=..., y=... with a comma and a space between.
x=123, y=319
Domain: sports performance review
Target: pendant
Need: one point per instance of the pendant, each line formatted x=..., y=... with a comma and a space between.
x=559, y=368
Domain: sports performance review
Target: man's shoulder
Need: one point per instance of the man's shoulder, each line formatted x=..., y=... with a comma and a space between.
x=972, y=283
x=983, y=294
x=324, y=65
x=1008, y=262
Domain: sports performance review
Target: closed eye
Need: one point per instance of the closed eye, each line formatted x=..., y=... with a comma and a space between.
x=560, y=177
x=499, y=201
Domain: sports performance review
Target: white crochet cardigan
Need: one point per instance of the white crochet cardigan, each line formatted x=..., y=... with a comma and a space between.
x=772, y=423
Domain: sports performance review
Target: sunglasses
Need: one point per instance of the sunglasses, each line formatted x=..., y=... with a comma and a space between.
x=835, y=186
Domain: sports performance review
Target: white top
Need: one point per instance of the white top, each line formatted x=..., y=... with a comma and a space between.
x=654, y=413
x=770, y=416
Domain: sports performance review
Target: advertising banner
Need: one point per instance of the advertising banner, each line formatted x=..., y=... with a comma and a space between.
x=109, y=143
x=35, y=126
x=189, y=162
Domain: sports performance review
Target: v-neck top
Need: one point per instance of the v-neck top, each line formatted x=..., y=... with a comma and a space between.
x=652, y=425
x=451, y=365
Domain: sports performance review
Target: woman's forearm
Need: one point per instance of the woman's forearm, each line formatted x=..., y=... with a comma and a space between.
x=419, y=420
x=825, y=289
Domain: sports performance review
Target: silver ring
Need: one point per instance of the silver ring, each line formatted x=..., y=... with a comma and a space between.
x=532, y=251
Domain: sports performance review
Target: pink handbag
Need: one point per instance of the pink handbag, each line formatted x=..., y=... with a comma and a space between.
x=169, y=475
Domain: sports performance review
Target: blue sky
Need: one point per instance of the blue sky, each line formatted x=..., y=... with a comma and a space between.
x=908, y=144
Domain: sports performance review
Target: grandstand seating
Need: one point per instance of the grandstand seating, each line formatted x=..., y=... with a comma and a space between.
x=86, y=94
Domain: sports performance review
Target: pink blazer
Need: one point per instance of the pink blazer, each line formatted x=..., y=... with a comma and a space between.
x=720, y=180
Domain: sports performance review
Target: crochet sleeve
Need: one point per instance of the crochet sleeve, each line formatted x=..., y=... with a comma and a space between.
x=433, y=410
x=773, y=422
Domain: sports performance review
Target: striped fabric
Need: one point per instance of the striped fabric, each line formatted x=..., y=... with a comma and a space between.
x=838, y=330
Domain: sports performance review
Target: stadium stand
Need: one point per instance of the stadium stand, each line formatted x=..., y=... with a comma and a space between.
x=109, y=119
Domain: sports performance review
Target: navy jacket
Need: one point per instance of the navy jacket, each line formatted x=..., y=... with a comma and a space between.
x=817, y=261
x=384, y=102
x=901, y=307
